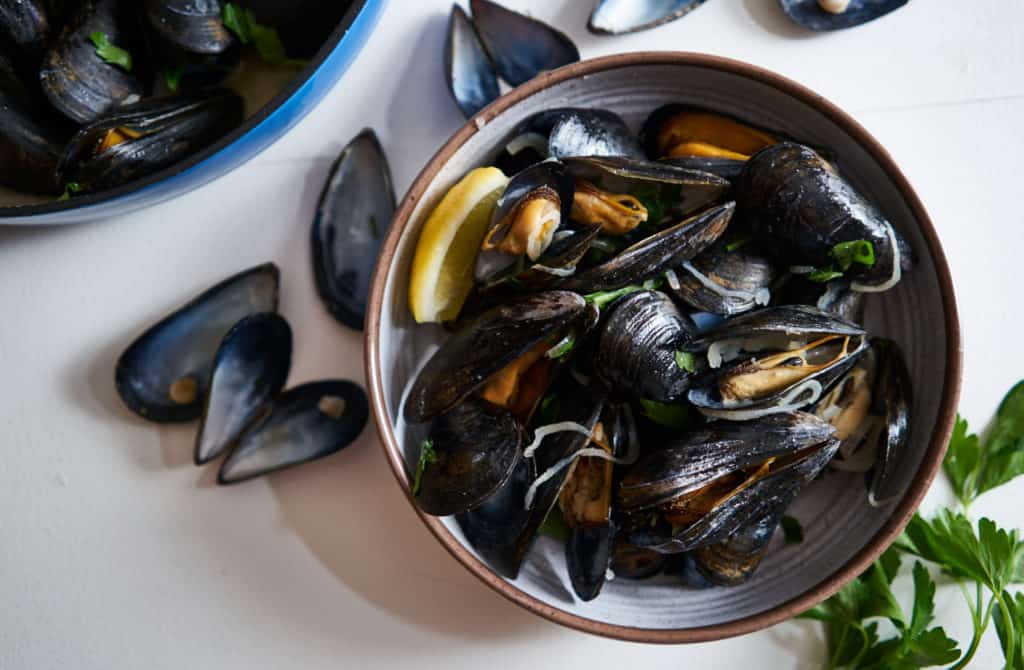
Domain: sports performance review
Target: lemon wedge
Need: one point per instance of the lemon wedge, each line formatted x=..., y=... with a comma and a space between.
x=442, y=268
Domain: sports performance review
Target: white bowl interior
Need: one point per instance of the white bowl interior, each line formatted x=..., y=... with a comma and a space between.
x=836, y=518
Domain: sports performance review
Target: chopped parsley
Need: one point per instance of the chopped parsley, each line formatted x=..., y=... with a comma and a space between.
x=562, y=349
x=110, y=52
x=686, y=361
x=665, y=414
x=844, y=255
x=70, y=189
x=242, y=22
x=739, y=243
x=172, y=78
x=427, y=456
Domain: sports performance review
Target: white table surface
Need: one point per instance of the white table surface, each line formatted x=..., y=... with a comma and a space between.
x=117, y=552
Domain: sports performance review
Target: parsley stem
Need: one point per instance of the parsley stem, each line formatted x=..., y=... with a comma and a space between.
x=1010, y=652
x=979, y=631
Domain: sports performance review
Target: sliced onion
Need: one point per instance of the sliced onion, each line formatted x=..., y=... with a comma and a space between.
x=550, y=429
x=595, y=452
x=672, y=279
x=558, y=272
x=761, y=297
x=530, y=140
x=801, y=269
x=786, y=404
x=897, y=271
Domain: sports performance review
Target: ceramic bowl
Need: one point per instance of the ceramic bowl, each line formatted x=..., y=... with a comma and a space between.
x=843, y=535
x=328, y=34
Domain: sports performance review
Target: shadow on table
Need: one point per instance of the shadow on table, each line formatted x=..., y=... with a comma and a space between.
x=352, y=517
x=769, y=15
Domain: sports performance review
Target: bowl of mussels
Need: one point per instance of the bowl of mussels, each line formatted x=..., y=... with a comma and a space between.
x=663, y=347
x=111, y=105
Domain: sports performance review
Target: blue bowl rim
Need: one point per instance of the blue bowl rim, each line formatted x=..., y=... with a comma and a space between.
x=301, y=78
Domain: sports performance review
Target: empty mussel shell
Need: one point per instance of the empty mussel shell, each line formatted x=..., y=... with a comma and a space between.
x=484, y=346
x=139, y=139
x=615, y=17
x=735, y=559
x=163, y=375
x=303, y=423
x=837, y=14
x=352, y=218
x=521, y=47
x=193, y=25
x=591, y=132
x=79, y=83
x=249, y=370
x=469, y=72
x=476, y=446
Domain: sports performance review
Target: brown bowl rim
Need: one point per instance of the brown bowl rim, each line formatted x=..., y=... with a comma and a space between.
x=903, y=511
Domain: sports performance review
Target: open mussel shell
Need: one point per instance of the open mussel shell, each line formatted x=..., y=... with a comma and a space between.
x=484, y=346
x=653, y=255
x=352, y=218
x=793, y=196
x=615, y=17
x=193, y=25
x=676, y=130
x=782, y=378
x=521, y=47
x=724, y=281
x=734, y=560
x=891, y=404
x=79, y=83
x=249, y=370
x=835, y=297
x=810, y=13
x=703, y=455
x=757, y=496
x=140, y=139
x=591, y=132
x=163, y=375
x=468, y=69
x=30, y=147
x=477, y=446
x=638, y=345
x=632, y=562
x=726, y=168
x=304, y=423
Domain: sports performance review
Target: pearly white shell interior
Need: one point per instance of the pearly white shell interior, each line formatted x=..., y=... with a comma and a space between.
x=834, y=513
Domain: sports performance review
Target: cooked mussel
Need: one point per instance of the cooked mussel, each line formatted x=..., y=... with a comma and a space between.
x=352, y=216
x=892, y=397
x=676, y=130
x=25, y=28
x=139, y=139
x=639, y=347
x=615, y=17
x=29, y=146
x=724, y=280
x=521, y=47
x=837, y=14
x=76, y=80
x=484, y=346
x=735, y=559
x=799, y=352
x=632, y=562
x=304, y=423
x=792, y=195
x=164, y=374
x=653, y=255
x=835, y=297
x=249, y=370
x=469, y=71
x=475, y=446
x=193, y=25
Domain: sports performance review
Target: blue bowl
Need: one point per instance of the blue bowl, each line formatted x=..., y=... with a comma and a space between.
x=258, y=132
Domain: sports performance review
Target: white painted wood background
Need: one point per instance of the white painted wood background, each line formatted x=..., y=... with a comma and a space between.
x=117, y=553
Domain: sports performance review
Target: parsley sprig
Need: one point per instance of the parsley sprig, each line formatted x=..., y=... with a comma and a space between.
x=110, y=52
x=983, y=559
x=843, y=256
x=242, y=22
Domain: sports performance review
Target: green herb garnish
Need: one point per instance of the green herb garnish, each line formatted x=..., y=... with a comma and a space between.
x=824, y=275
x=658, y=200
x=242, y=22
x=665, y=414
x=844, y=255
x=562, y=349
x=548, y=410
x=604, y=298
x=686, y=361
x=427, y=456
x=739, y=243
x=792, y=530
x=172, y=78
x=71, y=188
x=110, y=52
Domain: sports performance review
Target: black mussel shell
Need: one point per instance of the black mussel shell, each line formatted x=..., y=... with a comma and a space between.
x=477, y=446
x=79, y=83
x=161, y=131
x=469, y=72
x=566, y=251
x=769, y=493
x=703, y=455
x=249, y=370
x=796, y=198
x=305, y=423
x=726, y=168
x=193, y=25
x=638, y=348
x=735, y=559
x=592, y=132
x=653, y=255
x=724, y=281
x=785, y=320
x=25, y=28
x=810, y=14
x=521, y=47
x=835, y=297
x=588, y=554
x=163, y=375
x=891, y=403
x=352, y=218
x=615, y=17
x=632, y=562
x=29, y=146
x=485, y=345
